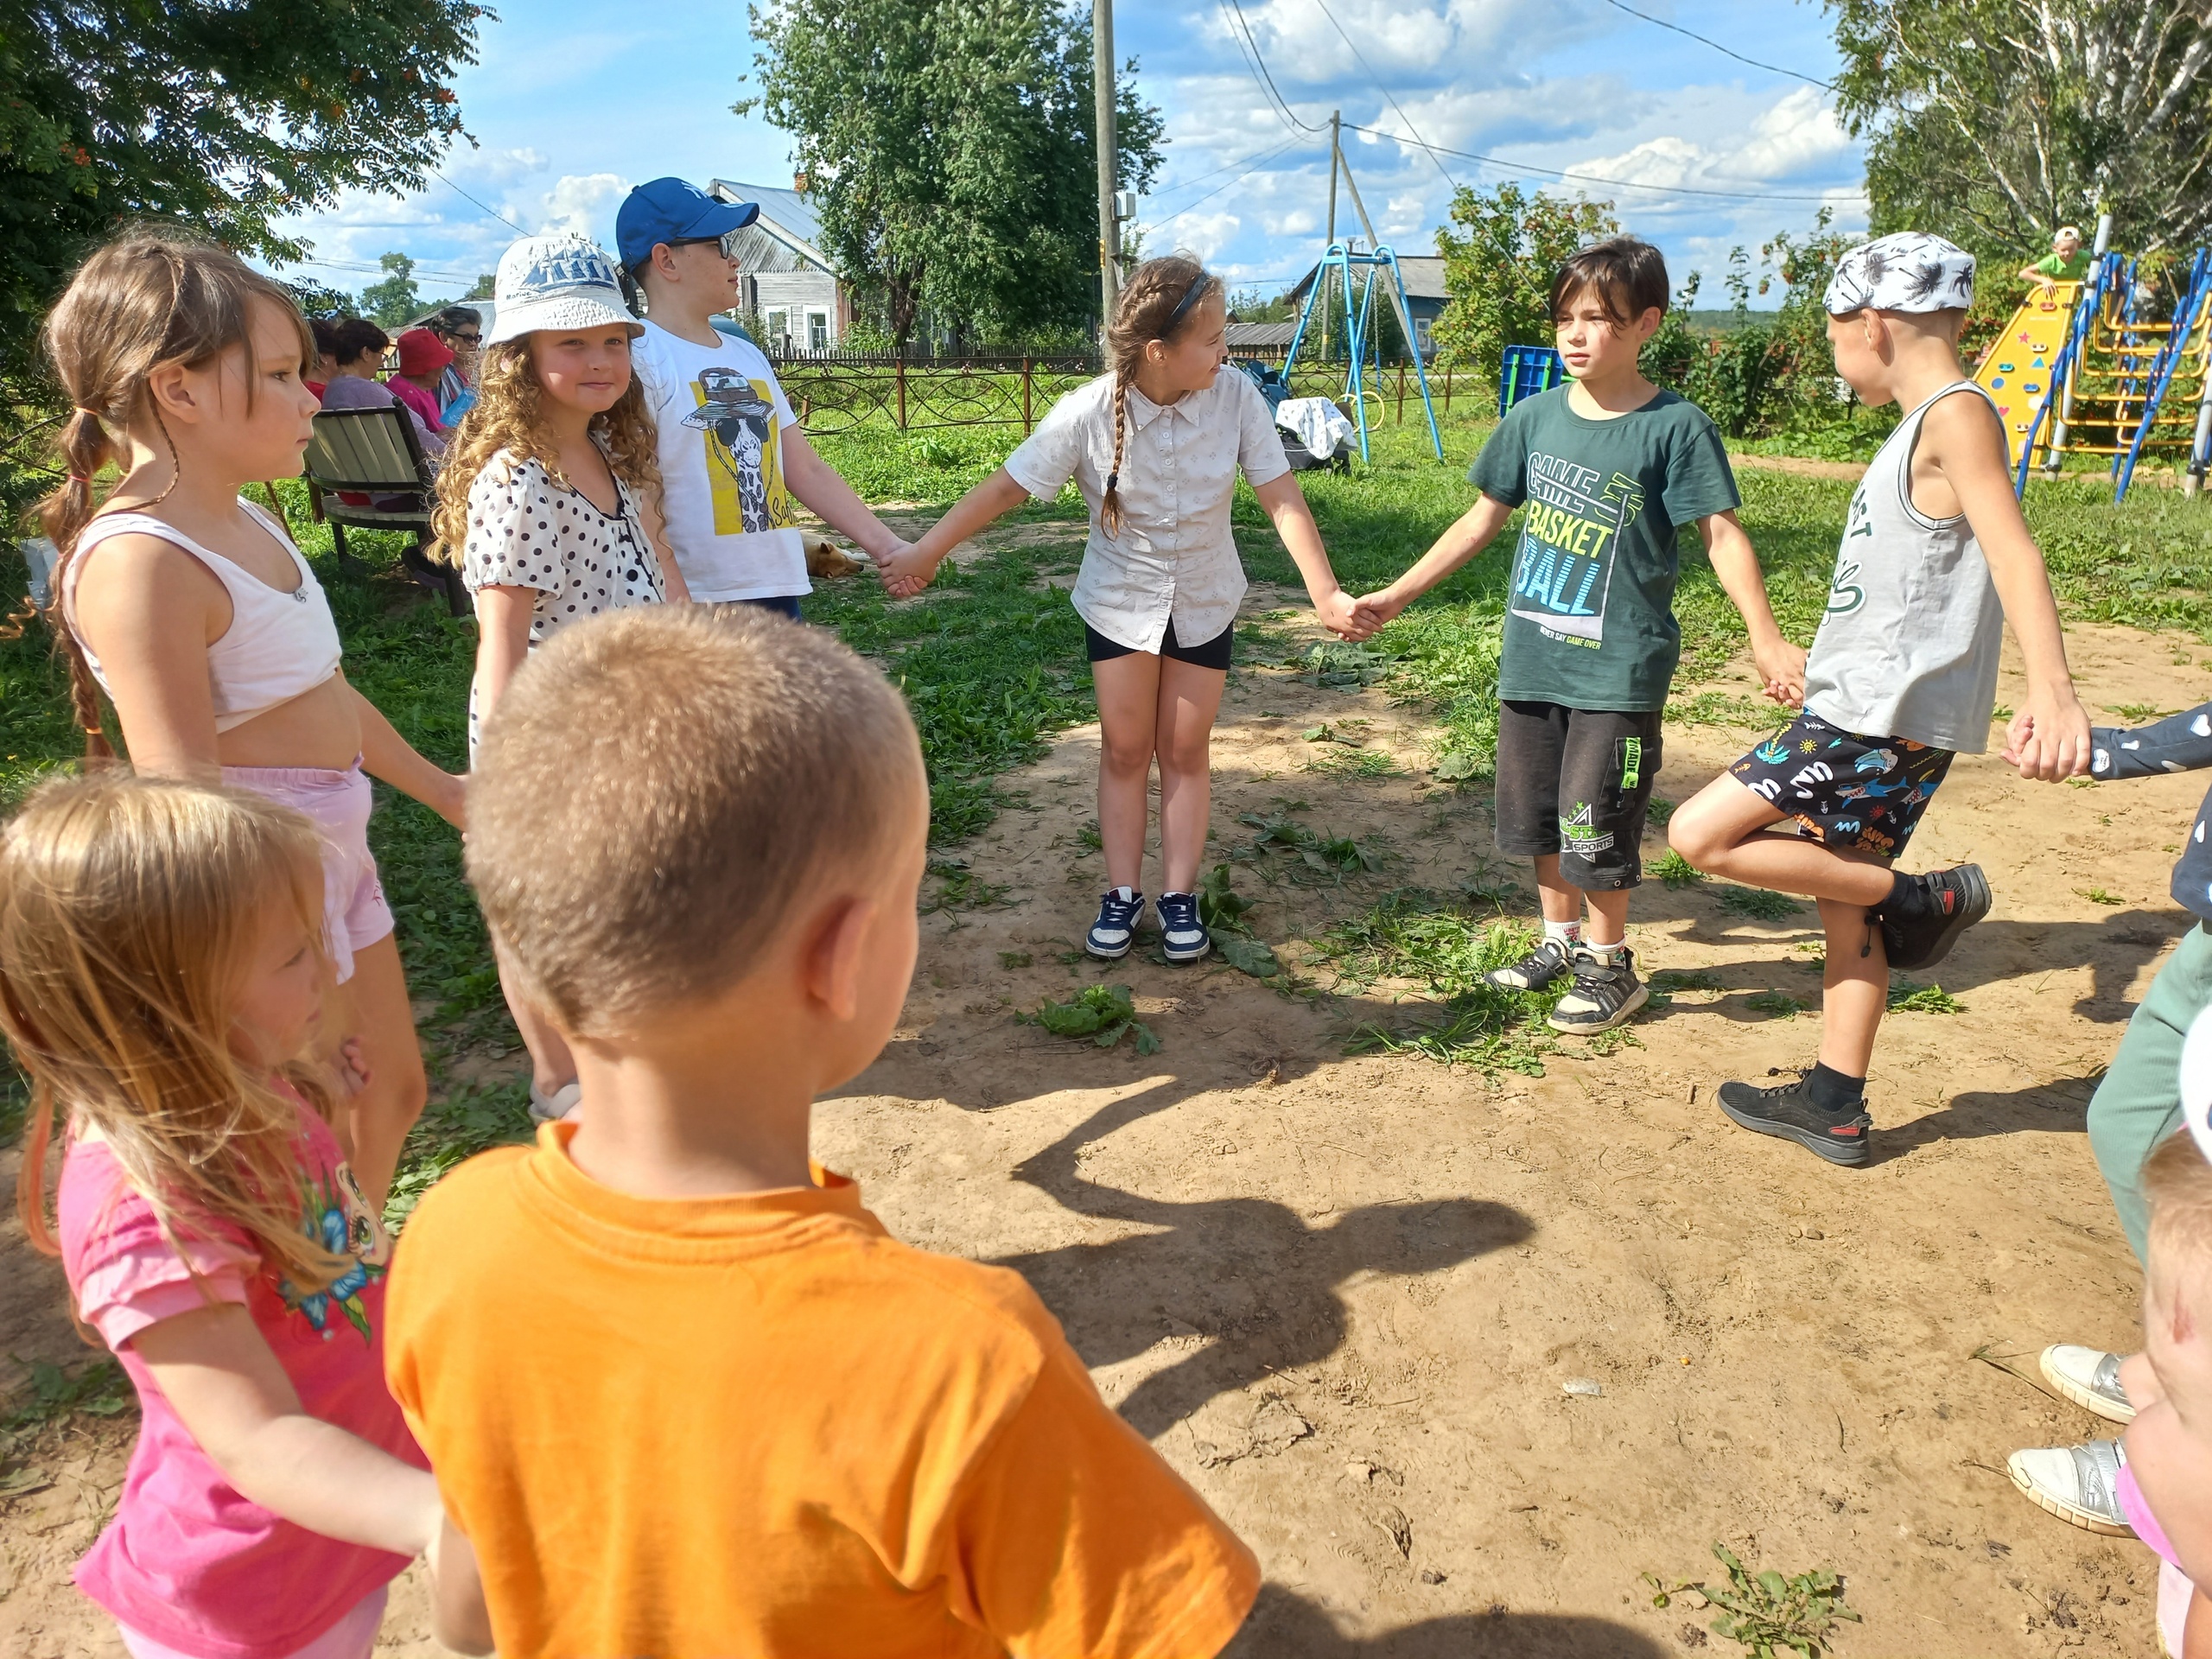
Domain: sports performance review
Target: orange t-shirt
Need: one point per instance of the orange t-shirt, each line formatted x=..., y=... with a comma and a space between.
x=760, y=1426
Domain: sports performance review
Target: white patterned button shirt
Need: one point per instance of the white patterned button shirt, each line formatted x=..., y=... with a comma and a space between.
x=1174, y=556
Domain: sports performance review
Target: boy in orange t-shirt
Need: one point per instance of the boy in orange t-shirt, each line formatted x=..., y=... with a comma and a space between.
x=685, y=1396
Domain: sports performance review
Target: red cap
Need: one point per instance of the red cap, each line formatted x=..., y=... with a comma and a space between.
x=421, y=351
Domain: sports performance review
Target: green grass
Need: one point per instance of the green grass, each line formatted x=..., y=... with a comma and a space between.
x=1759, y=903
x=1675, y=870
x=1766, y=1612
x=1776, y=1003
x=1100, y=1014
x=1905, y=997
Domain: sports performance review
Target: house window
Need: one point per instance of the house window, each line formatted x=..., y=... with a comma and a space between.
x=1424, y=331
x=818, y=331
x=780, y=330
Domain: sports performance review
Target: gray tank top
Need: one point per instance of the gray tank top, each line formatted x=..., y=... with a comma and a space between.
x=1910, y=645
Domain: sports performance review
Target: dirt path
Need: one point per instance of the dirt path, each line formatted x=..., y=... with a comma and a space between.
x=1343, y=1294
x=1804, y=466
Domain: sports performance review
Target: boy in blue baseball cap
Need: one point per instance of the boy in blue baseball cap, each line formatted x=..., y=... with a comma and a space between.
x=731, y=455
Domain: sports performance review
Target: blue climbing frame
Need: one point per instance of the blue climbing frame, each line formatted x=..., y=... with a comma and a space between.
x=1358, y=332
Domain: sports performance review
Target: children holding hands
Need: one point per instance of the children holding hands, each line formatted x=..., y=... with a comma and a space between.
x=1611, y=466
x=683, y=1394
x=1154, y=445
x=1936, y=558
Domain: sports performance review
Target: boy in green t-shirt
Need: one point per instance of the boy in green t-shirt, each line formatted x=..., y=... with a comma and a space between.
x=1610, y=467
x=2065, y=262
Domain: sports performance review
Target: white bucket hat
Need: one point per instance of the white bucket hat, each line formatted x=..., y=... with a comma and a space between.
x=563, y=282
x=1908, y=272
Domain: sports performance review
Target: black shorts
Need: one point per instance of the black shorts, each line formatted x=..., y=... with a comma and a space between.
x=1576, y=782
x=1857, y=794
x=1214, y=653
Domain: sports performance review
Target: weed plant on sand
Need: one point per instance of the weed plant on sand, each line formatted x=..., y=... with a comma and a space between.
x=1905, y=997
x=1769, y=1614
x=1103, y=1014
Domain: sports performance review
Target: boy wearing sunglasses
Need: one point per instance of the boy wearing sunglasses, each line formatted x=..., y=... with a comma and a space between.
x=731, y=455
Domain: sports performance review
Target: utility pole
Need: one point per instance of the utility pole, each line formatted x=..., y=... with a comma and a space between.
x=1109, y=229
x=1321, y=277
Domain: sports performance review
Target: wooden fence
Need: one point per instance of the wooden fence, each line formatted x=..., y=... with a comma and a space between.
x=836, y=394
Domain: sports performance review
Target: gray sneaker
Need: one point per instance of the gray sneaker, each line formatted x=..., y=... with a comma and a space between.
x=2080, y=1485
x=2089, y=1377
x=1604, y=995
x=1534, y=971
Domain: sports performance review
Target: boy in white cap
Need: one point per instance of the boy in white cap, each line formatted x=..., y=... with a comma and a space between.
x=1902, y=675
x=731, y=455
x=2065, y=262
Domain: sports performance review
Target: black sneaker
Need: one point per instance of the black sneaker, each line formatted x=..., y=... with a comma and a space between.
x=1115, y=930
x=1790, y=1112
x=1604, y=993
x=1183, y=937
x=1920, y=932
x=1534, y=971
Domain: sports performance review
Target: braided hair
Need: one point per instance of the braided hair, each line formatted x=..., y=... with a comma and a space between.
x=1162, y=297
x=151, y=298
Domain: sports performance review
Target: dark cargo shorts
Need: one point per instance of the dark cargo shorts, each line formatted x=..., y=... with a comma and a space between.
x=1576, y=782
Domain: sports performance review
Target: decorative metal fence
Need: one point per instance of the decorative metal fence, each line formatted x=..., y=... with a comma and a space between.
x=838, y=393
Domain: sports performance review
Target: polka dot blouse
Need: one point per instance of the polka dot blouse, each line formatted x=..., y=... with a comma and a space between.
x=527, y=531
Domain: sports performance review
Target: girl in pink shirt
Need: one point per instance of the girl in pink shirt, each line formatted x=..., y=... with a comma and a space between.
x=161, y=976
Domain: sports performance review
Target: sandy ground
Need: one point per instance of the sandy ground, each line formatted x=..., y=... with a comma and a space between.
x=1343, y=1294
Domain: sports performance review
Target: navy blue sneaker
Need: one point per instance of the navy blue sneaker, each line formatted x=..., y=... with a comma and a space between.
x=1115, y=930
x=1182, y=935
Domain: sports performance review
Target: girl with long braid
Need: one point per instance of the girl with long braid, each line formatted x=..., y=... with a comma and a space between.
x=191, y=610
x=1154, y=446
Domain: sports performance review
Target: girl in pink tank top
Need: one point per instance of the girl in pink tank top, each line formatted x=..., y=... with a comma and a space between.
x=160, y=979
x=199, y=621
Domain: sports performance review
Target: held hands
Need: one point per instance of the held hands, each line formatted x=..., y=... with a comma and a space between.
x=1376, y=608
x=1341, y=614
x=1782, y=672
x=908, y=568
x=2050, y=739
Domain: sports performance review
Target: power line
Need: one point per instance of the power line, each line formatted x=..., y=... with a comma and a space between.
x=379, y=270
x=1773, y=68
x=1239, y=179
x=1385, y=91
x=472, y=200
x=1265, y=153
x=1593, y=178
x=1259, y=64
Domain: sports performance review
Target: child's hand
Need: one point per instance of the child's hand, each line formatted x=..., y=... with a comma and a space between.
x=351, y=1065
x=1378, y=607
x=906, y=571
x=1782, y=672
x=2050, y=739
x=1341, y=615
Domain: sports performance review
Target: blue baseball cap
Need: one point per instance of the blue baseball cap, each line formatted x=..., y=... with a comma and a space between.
x=674, y=210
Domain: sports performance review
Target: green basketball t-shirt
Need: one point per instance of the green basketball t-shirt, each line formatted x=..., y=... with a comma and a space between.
x=1590, y=620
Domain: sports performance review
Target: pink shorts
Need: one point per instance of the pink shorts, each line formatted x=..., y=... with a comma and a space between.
x=354, y=913
x=353, y=1637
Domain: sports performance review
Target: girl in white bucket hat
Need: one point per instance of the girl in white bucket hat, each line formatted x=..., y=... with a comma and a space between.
x=550, y=501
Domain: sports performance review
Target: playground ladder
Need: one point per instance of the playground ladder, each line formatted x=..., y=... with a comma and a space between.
x=2187, y=315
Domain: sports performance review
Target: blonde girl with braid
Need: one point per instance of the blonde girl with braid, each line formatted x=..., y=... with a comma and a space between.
x=1154, y=445
x=161, y=972
x=191, y=610
x=550, y=502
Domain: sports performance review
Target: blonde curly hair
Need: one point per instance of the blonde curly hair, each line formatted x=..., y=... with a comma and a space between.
x=508, y=419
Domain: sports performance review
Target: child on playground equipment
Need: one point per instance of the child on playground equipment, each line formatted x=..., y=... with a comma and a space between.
x=2065, y=262
x=1936, y=558
x=550, y=500
x=1611, y=465
x=921, y=1465
x=1154, y=445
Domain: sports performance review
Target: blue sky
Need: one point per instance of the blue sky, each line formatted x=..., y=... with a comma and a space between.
x=572, y=104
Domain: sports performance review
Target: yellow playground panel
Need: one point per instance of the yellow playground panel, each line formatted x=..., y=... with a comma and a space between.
x=2016, y=371
x=2077, y=372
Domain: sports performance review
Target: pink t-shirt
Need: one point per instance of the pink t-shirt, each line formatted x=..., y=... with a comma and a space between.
x=187, y=1560
x=424, y=403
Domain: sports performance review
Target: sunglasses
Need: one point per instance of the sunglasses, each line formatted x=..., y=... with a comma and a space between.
x=720, y=242
x=467, y=339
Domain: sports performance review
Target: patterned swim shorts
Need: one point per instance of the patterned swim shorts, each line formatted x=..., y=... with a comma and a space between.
x=1856, y=794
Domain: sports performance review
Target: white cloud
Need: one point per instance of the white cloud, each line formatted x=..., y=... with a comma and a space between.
x=1204, y=234
x=584, y=203
x=1300, y=221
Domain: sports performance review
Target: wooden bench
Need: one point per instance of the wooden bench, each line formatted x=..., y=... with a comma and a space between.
x=375, y=453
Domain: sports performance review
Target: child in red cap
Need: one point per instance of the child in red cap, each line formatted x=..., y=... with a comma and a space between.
x=422, y=358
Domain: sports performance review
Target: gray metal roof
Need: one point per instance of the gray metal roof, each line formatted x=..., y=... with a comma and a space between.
x=1256, y=336
x=786, y=236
